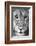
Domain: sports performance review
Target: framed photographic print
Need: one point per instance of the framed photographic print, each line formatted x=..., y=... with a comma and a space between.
x=19, y=22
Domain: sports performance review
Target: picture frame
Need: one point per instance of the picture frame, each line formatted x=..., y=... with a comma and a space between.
x=26, y=13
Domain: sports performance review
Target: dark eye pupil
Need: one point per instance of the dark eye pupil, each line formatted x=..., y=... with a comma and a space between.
x=16, y=16
x=25, y=16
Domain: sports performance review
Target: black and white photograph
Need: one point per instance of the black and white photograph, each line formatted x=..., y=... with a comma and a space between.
x=20, y=18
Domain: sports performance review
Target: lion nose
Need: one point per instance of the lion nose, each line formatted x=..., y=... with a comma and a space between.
x=20, y=29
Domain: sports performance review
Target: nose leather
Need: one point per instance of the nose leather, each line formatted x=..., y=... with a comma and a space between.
x=20, y=29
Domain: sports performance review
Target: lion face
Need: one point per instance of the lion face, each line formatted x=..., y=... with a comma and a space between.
x=20, y=21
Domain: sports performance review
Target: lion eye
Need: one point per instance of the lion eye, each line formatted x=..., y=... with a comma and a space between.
x=16, y=16
x=25, y=16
